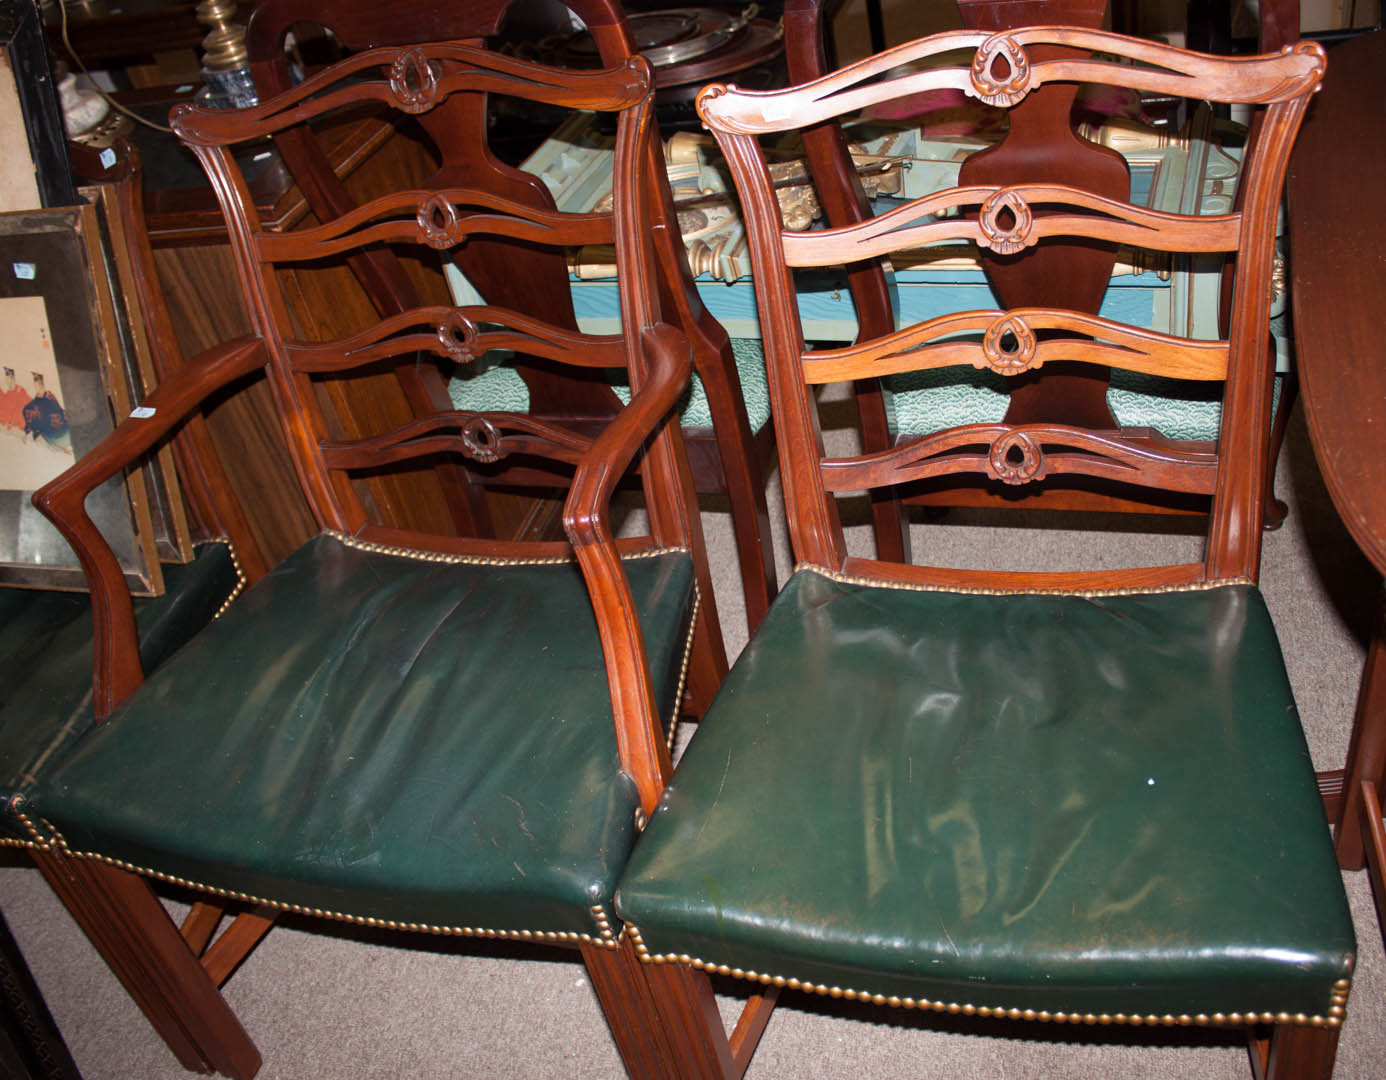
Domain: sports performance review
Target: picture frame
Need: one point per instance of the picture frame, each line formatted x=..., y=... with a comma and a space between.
x=61, y=389
x=171, y=533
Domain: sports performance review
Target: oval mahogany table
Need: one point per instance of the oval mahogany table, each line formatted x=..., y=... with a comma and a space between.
x=1337, y=185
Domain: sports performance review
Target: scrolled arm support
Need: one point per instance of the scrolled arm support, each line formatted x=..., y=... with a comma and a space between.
x=643, y=751
x=116, y=669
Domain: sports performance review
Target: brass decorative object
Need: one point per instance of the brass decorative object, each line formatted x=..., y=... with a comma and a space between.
x=225, y=62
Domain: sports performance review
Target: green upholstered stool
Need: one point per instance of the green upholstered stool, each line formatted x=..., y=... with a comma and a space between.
x=46, y=661
x=1080, y=806
x=385, y=737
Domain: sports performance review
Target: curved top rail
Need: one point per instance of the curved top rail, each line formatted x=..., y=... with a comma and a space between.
x=419, y=78
x=1002, y=73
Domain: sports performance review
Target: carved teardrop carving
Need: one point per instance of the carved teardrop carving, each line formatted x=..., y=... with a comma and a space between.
x=481, y=440
x=1015, y=458
x=414, y=82
x=1006, y=239
x=995, y=84
x=438, y=222
x=458, y=336
x=1009, y=345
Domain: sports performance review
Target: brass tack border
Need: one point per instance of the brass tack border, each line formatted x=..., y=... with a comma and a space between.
x=603, y=938
x=683, y=668
x=241, y=582
x=919, y=586
x=371, y=547
x=1334, y=1020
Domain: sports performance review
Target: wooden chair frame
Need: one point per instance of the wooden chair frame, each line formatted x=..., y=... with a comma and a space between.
x=1041, y=137
x=175, y=974
x=731, y=462
x=1000, y=218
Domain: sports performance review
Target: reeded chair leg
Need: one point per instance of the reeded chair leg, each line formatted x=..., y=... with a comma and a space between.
x=630, y=1011
x=128, y=925
x=1301, y=1053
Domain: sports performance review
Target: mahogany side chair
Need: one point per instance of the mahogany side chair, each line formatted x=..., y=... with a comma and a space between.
x=728, y=457
x=1040, y=140
x=1074, y=797
x=426, y=733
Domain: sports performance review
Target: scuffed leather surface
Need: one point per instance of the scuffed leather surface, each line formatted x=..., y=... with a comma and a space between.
x=46, y=657
x=383, y=737
x=1089, y=805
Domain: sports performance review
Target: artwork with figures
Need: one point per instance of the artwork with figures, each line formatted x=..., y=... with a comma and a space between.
x=57, y=370
x=38, y=438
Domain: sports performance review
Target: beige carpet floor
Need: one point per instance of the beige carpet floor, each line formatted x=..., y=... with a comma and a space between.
x=333, y=1003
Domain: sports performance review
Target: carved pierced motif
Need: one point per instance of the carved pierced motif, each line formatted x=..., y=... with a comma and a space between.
x=1000, y=237
x=1009, y=346
x=1015, y=458
x=1001, y=71
x=458, y=336
x=438, y=222
x=414, y=82
x=481, y=440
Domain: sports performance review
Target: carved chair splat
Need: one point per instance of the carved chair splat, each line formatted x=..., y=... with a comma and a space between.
x=1040, y=141
x=1074, y=797
x=728, y=459
x=373, y=661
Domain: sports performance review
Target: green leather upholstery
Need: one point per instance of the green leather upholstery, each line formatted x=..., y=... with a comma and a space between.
x=45, y=660
x=379, y=737
x=1083, y=805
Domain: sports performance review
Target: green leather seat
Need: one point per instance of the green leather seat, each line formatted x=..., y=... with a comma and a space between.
x=397, y=739
x=46, y=661
x=1074, y=805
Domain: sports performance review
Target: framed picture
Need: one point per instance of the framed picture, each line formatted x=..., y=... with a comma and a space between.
x=61, y=385
x=172, y=537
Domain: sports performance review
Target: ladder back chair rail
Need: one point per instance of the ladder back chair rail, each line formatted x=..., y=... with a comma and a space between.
x=1004, y=220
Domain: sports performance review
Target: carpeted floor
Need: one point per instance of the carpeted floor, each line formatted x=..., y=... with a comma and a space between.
x=333, y=1003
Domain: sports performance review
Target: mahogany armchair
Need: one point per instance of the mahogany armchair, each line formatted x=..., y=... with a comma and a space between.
x=427, y=733
x=1076, y=796
x=727, y=458
x=1040, y=140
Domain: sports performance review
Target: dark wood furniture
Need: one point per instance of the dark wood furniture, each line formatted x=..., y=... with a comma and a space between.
x=372, y=761
x=725, y=460
x=1339, y=278
x=1077, y=795
x=1041, y=142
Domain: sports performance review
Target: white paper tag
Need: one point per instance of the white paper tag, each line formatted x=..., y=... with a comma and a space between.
x=108, y=158
x=184, y=89
x=25, y=271
x=142, y=412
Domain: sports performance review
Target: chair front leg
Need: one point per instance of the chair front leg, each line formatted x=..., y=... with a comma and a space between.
x=131, y=929
x=1301, y=1053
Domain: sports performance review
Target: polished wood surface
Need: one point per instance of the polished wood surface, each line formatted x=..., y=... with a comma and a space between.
x=1007, y=215
x=839, y=189
x=1338, y=175
x=519, y=276
x=1337, y=181
x=174, y=975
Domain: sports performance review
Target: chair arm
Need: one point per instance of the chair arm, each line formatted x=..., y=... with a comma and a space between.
x=643, y=751
x=116, y=667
